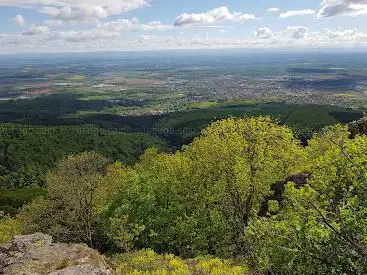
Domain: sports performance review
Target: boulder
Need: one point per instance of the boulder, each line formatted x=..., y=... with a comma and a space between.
x=38, y=254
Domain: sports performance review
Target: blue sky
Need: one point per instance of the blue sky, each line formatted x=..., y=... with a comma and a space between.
x=92, y=25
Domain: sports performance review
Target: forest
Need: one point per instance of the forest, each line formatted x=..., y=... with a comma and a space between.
x=28, y=152
x=244, y=197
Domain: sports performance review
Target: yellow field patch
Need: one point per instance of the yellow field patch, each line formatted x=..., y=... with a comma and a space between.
x=76, y=78
x=344, y=95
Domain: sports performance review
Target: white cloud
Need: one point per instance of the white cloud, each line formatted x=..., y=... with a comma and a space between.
x=342, y=7
x=292, y=37
x=133, y=25
x=263, y=33
x=217, y=26
x=36, y=30
x=83, y=36
x=103, y=33
x=68, y=13
x=347, y=36
x=292, y=13
x=297, y=32
x=244, y=17
x=108, y=40
x=336, y=34
x=121, y=25
x=19, y=20
x=155, y=26
x=274, y=9
x=217, y=15
x=78, y=10
x=358, y=10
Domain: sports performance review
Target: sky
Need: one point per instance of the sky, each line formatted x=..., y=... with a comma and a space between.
x=44, y=26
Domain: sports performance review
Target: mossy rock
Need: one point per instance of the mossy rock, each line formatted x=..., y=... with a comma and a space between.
x=38, y=254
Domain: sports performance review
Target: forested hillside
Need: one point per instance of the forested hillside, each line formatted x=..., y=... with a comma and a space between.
x=27, y=153
x=245, y=191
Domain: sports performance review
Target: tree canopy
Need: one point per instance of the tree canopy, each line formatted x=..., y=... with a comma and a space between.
x=226, y=194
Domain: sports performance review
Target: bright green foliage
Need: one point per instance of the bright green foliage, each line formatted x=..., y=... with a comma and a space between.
x=236, y=162
x=70, y=211
x=149, y=204
x=148, y=262
x=215, y=266
x=9, y=227
x=40, y=216
x=200, y=200
x=322, y=228
x=205, y=200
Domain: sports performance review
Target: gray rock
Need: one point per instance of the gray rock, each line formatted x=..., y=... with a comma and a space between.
x=81, y=270
x=38, y=254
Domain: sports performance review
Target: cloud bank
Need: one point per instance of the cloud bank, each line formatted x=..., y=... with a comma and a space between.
x=88, y=25
x=78, y=10
x=331, y=8
x=41, y=39
x=216, y=15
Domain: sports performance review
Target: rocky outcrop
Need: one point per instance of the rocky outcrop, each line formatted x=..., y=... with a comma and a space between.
x=38, y=254
x=278, y=189
x=358, y=127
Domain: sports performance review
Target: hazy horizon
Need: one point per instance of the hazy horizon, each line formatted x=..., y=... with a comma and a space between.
x=29, y=26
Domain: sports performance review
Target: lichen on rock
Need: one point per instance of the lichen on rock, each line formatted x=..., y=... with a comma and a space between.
x=38, y=254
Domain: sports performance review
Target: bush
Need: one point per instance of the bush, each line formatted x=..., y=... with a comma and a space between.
x=9, y=227
x=148, y=262
x=199, y=200
x=70, y=212
x=207, y=198
x=321, y=227
x=217, y=266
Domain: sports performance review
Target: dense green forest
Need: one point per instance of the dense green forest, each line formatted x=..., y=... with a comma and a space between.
x=68, y=109
x=28, y=152
x=36, y=133
x=246, y=191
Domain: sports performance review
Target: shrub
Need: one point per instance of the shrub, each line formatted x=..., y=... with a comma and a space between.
x=217, y=266
x=149, y=262
x=9, y=227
